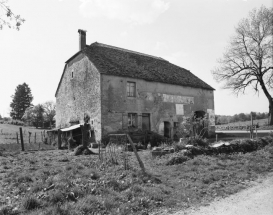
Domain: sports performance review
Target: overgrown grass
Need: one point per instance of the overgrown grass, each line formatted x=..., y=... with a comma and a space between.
x=55, y=182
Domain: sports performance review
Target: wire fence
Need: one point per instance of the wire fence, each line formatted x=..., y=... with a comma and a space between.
x=32, y=139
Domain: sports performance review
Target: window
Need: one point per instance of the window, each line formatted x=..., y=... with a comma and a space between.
x=71, y=74
x=132, y=120
x=131, y=89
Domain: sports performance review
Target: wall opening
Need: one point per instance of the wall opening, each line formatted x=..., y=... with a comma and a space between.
x=199, y=114
x=167, y=129
x=146, y=125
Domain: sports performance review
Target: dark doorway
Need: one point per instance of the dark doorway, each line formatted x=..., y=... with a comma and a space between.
x=199, y=114
x=146, y=122
x=167, y=129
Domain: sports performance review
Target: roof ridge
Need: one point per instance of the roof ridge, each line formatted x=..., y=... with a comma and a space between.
x=126, y=50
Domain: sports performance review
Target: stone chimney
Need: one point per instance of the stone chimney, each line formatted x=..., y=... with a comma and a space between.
x=82, y=39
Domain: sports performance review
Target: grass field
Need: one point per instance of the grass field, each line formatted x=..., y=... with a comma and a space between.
x=57, y=182
x=261, y=122
x=9, y=141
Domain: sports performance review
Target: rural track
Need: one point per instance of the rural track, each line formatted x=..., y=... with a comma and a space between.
x=257, y=199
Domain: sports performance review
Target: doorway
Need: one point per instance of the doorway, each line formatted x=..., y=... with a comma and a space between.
x=146, y=125
x=167, y=129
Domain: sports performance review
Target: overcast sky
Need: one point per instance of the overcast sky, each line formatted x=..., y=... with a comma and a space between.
x=190, y=33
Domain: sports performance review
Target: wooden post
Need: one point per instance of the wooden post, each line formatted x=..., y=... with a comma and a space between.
x=136, y=154
x=41, y=136
x=251, y=125
x=99, y=150
x=216, y=137
x=35, y=137
x=84, y=139
x=29, y=135
x=59, y=139
x=17, y=138
x=22, y=140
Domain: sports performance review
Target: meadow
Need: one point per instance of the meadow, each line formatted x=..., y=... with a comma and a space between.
x=57, y=182
x=261, y=124
x=33, y=138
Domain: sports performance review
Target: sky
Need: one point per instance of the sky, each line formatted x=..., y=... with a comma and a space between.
x=192, y=34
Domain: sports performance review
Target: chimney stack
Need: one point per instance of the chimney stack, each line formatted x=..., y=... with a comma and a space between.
x=82, y=39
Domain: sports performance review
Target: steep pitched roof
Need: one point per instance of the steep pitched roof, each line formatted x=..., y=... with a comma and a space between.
x=121, y=62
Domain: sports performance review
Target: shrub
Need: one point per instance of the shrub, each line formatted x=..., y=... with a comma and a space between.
x=6, y=210
x=88, y=205
x=198, y=142
x=56, y=210
x=179, y=146
x=116, y=186
x=177, y=159
x=56, y=197
x=30, y=203
x=24, y=179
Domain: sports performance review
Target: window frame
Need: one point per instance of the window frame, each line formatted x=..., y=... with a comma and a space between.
x=131, y=89
x=132, y=116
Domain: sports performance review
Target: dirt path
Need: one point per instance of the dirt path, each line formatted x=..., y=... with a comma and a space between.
x=258, y=199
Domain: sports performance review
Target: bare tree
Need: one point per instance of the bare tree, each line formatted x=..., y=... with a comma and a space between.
x=248, y=61
x=8, y=18
x=50, y=111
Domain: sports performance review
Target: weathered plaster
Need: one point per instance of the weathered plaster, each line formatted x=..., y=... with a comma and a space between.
x=80, y=94
x=150, y=98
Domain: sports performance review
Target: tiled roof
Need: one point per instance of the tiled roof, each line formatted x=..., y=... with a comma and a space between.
x=121, y=62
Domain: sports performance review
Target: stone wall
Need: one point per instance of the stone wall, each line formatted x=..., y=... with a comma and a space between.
x=164, y=102
x=79, y=94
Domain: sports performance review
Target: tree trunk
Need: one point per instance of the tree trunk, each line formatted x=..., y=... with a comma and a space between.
x=270, y=100
x=270, y=113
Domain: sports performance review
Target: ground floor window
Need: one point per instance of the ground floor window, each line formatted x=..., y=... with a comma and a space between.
x=132, y=120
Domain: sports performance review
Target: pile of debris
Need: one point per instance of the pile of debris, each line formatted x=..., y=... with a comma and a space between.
x=235, y=146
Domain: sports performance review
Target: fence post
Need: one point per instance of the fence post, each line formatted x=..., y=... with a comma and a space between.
x=22, y=140
x=84, y=135
x=35, y=137
x=251, y=125
x=59, y=139
x=99, y=150
x=29, y=135
x=136, y=154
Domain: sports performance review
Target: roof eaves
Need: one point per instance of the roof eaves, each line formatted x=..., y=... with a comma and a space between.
x=60, y=80
x=73, y=56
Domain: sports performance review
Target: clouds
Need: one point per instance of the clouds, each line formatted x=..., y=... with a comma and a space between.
x=137, y=12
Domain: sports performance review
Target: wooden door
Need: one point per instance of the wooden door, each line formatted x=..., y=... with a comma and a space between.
x=146, y=126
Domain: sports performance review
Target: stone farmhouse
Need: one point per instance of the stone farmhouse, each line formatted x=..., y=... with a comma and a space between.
x=127, y=90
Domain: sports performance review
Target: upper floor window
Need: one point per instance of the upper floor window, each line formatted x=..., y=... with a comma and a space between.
x=131, y=89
